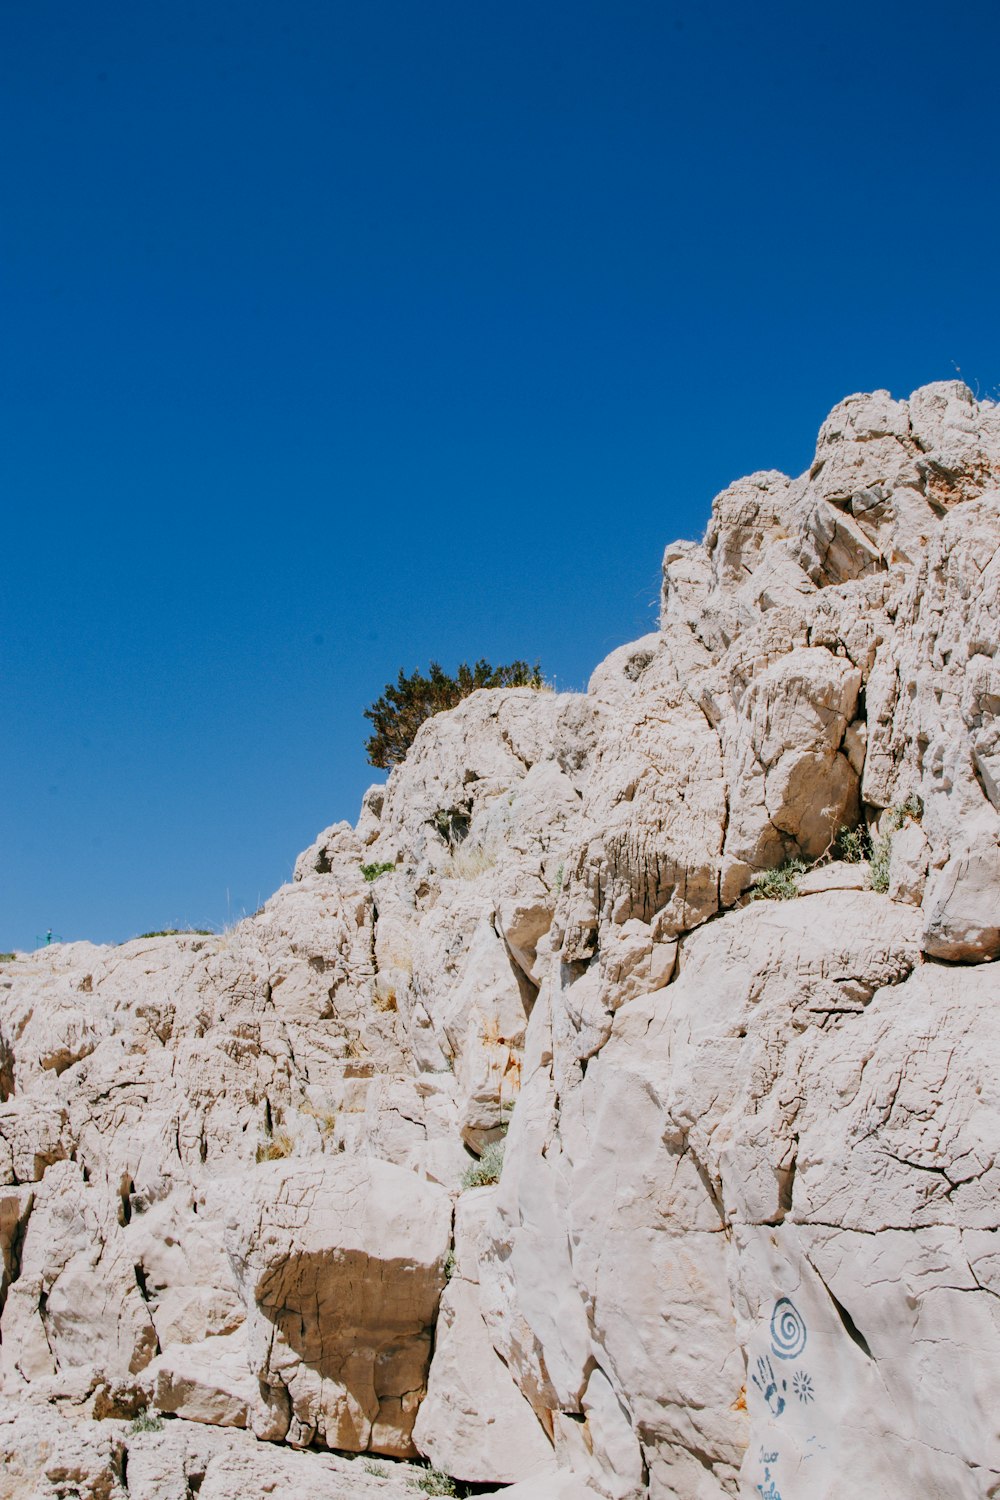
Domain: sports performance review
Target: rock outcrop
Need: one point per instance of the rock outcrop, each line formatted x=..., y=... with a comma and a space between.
x=744, y=1241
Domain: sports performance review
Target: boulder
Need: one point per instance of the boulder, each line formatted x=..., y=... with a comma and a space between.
x=962, y=905
x=208, y=1381
x=340, y=1267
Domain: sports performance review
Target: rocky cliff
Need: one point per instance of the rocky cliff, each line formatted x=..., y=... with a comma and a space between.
x=745, y=1237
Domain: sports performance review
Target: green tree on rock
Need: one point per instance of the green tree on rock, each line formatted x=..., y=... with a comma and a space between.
x=408, y=701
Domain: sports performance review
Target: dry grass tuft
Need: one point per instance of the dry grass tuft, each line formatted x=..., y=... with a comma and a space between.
x=277, y=1146
x=384, y=993
x=325, y=1117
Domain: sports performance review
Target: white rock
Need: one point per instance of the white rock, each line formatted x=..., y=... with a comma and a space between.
x=474, y=1423
x=46, y=1456
x=549, y=1487
x=908, y=858
x=340, y=1266
x=836, y=876
x=962, y=905
x=208, y=1381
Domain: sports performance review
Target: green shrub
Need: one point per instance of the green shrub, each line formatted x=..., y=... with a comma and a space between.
x=434, y=1482
x=6, y=958
x=372, y=872
x=486, y=1170
x=408, y=701
x=853, y=845
x=781, y=884
x=913, y=808
x=881, y=853
x=892, y=822
x=449, y=1265
x=146, y=1421
x=179, y=932
x=377, y=1471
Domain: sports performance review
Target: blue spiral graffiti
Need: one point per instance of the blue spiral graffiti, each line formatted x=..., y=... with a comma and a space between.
x=788, y=1332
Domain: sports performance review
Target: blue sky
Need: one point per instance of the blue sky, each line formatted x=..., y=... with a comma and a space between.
x=337, y=338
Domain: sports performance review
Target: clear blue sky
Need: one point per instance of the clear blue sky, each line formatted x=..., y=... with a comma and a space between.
x=340, y=337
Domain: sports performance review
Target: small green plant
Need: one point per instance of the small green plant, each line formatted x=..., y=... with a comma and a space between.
x=892, y=822
x=852, y=845
x=377, y=1471
x=451, y=824
x=449, y=1265
x=6, y=958
x=146, y=1421
x=372, y=872
x=781, y=884
x=560, y=873
x=434, y=1482
x=179, y=932
x=881, y=854
x=408, y=701
x=485, y=1171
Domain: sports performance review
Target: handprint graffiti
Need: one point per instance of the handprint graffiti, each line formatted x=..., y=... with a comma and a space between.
x=767, y=1384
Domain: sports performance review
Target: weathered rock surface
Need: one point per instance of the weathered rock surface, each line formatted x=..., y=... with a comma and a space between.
x=474, y=1422
x=745, y=1237
x=51, y=1455
x=340, y=1267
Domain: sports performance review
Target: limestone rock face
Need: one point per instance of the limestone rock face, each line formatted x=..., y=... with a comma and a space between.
x=51, y=1454
x=341, y=1268
x=208, y=1381
x=474, y=1422
x=744, y=1239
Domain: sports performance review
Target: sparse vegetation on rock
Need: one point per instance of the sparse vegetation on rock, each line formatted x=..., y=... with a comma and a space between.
x=434, y=1482
x=384, y=993
x=891, y=822
x=279, y=1144
x=781, y=884
x=485, y=1171
x=146, y=1421
x=853, y=845
x=179, y=932
x=408, y=701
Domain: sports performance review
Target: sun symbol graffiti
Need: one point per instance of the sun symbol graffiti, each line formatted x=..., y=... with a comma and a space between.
x=803, y=1387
